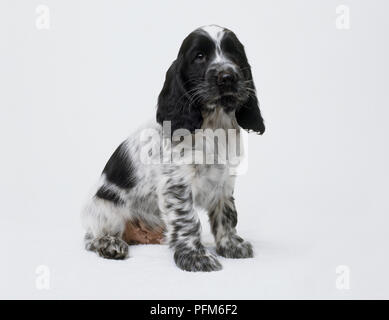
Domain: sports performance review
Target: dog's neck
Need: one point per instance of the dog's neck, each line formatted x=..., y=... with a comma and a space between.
x=218, y=118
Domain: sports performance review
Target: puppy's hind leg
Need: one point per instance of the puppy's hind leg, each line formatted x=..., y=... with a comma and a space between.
x=105, y=226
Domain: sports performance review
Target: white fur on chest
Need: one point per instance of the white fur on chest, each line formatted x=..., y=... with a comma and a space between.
x=222, y=137
x=209, y=183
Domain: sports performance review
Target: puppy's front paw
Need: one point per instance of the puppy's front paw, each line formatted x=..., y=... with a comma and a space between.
x=191, y=260
x=111, y=247
x=235, y=247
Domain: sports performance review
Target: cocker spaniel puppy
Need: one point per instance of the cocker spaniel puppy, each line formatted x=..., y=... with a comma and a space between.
x=145, y=197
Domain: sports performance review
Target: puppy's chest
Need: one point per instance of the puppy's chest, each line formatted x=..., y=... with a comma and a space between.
x=209, y=183
x=220, y=139
x=216, y=118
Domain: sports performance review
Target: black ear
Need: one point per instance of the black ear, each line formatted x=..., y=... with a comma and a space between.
x=249, y=116
x=174, y=102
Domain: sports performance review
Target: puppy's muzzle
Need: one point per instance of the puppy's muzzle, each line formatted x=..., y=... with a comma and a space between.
x=224, y=78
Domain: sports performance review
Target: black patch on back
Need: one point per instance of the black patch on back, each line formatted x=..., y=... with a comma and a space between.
x=107, y=194
x=119, y=169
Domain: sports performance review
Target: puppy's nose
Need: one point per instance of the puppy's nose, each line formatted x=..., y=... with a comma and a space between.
x=225, y=78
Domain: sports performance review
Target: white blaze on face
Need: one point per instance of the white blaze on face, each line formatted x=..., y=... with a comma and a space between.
x=216, y=33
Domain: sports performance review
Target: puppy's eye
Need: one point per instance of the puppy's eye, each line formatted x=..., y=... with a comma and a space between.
x=200, y=57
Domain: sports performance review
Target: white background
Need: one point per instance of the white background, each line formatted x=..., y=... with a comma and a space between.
x=316, y=193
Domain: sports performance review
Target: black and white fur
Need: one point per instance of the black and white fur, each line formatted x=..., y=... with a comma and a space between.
x=209, y=85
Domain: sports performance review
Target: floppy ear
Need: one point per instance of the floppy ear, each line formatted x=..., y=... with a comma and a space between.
x=249, y=116
x=174, y=104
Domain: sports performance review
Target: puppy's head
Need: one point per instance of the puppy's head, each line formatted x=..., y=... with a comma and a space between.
x=211, y=70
